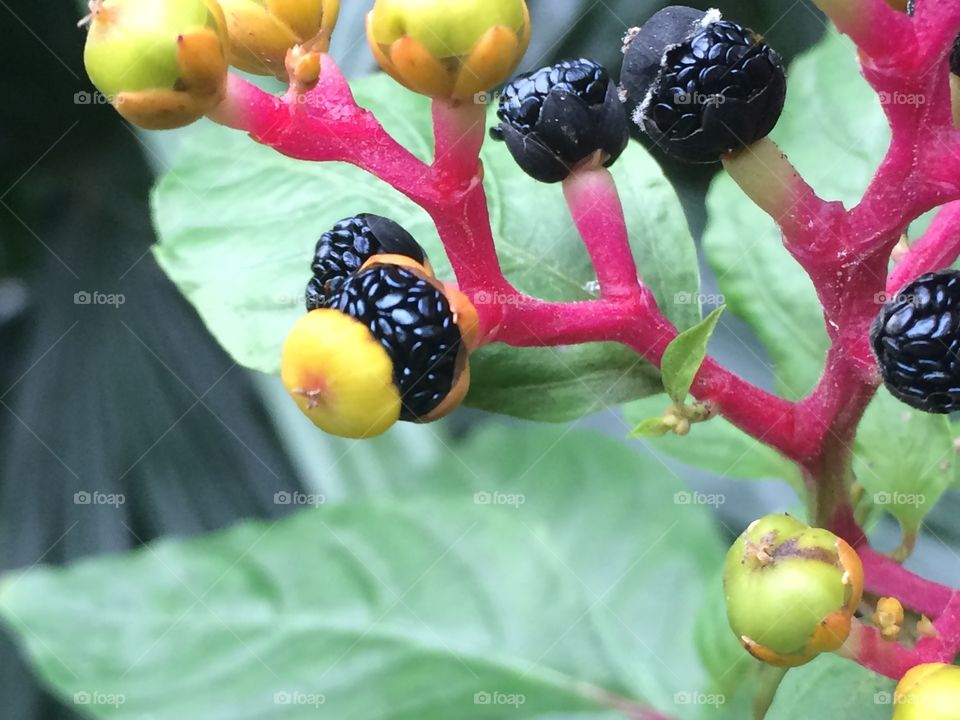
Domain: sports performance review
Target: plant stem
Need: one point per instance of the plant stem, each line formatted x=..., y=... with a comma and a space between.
x=594, y=203
x=770, y=679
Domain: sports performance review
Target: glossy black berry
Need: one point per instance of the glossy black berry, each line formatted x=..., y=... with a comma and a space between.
x=557, y=117
x=916, y=338
x=344, y=249
x=413, y=321
x=700, y=86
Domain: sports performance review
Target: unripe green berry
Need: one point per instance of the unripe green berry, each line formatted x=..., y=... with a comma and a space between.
x=160, y=63
x=449, y=49
x=929, y=692
x=791, y=590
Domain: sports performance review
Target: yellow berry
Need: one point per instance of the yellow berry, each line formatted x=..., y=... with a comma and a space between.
x=262, y=31
x=339, y=375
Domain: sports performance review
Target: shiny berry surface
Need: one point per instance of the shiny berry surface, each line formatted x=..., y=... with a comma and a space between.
x=412, y=320
x=344, y=249
x=916, y=339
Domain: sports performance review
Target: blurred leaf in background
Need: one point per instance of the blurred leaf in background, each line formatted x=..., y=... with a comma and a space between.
x=473, y=582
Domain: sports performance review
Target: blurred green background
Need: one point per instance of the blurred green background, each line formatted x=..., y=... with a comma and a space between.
x=139, y=400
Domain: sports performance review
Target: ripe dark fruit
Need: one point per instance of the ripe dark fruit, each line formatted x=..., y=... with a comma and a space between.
x=700, y=86
x=411, y=317
x=916, y=338
x=344, y=249
x=955, y=57
x=559, y=116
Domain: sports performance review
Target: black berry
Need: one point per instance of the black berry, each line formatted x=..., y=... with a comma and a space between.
x=700, y=86
x=344, y=249
x=413, y=321
x=916, y=338
x=557, y=117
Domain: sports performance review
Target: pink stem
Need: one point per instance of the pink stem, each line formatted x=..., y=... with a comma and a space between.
x=936, y=250
x=595, y=206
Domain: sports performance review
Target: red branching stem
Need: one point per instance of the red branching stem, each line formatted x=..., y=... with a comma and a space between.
x=327, y=125
x=596, y=210
x=845, y=253
x=937, y=249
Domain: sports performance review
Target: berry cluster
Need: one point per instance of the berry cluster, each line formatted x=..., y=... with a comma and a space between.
x=383, y=339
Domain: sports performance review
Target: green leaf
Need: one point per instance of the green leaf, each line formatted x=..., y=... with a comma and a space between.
x=480, y=576
x=904, y=458
x=831, y=687
x=729, y=665
x=834, y=131
x=237, y=224
x=684, y=356
x=718, y=446
x=651, y=427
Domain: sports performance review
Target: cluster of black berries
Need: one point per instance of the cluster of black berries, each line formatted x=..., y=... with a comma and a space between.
x=697, y=85
x=371, y=269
